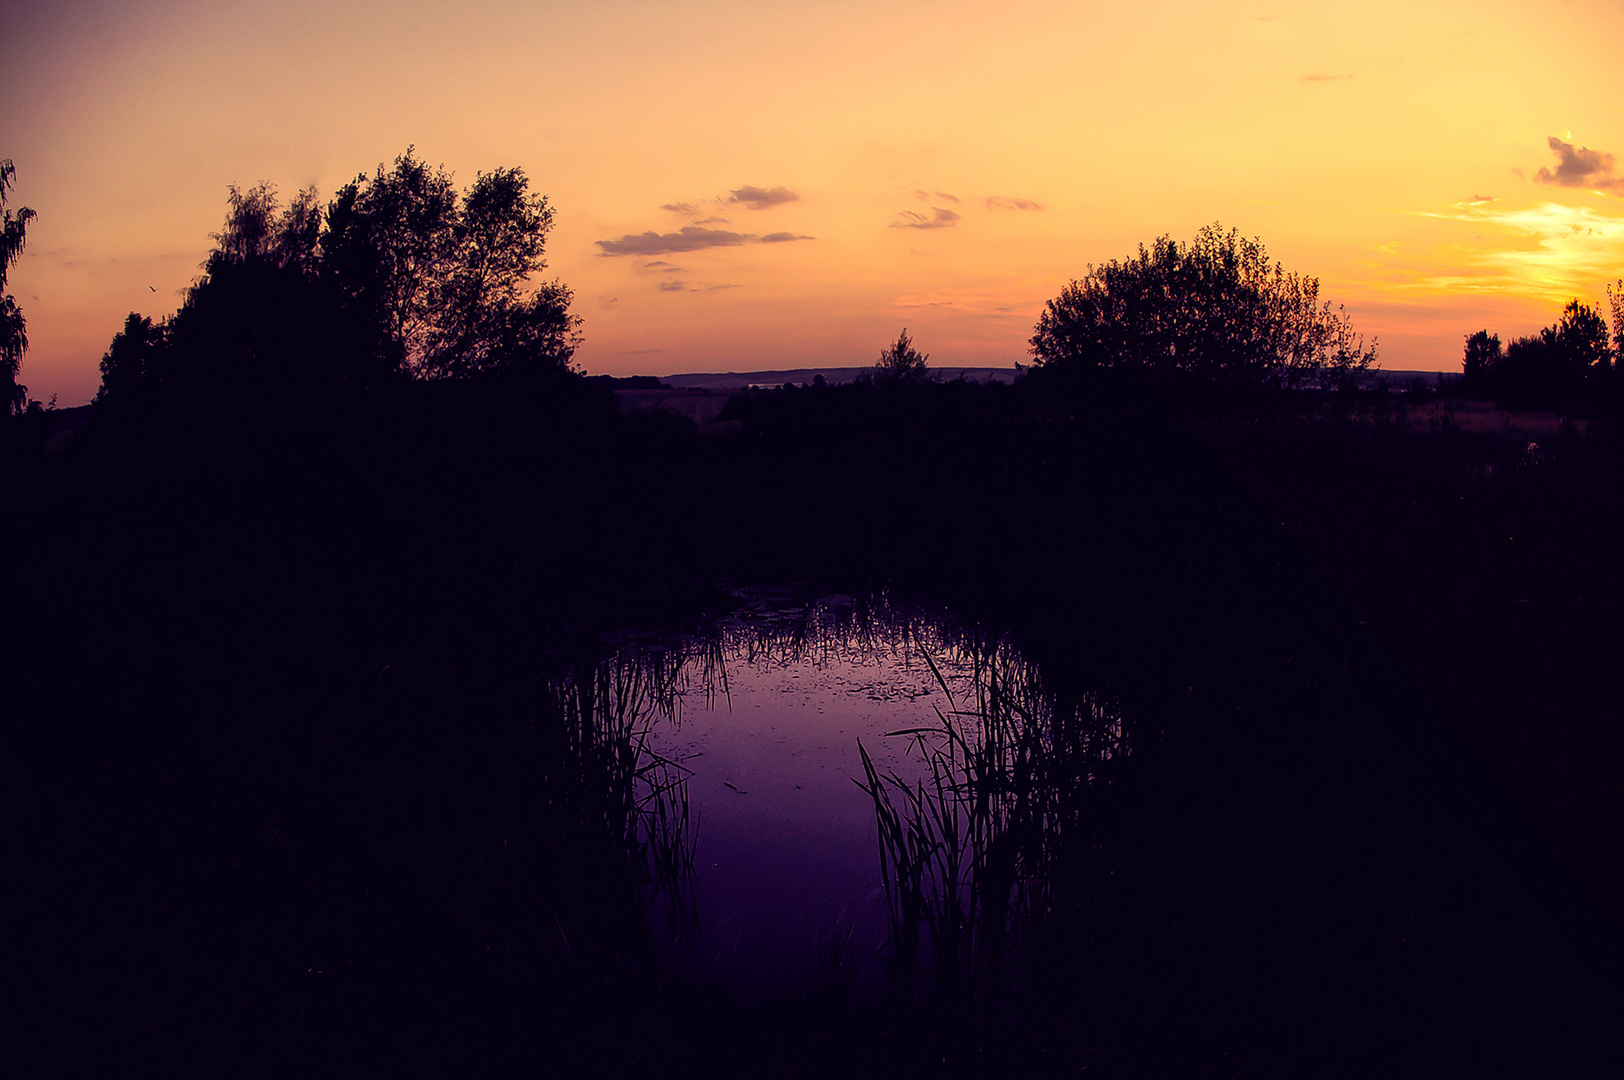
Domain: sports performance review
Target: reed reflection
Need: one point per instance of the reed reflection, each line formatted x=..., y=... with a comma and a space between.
x=861, y=790
x=1001, y=853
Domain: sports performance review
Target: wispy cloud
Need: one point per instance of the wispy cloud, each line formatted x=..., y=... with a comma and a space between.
x=1553, y=250
x=999, y=202
x=679, y=207
x=1579, y=167
x=761, y=198
x=940, y=219
x=673, y=286
x=691, y=238
x=926, y=196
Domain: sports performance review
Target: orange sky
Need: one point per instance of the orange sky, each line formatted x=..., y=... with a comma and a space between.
x=951, y=165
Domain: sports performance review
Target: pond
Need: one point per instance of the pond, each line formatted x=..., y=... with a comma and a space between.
x=835, y=787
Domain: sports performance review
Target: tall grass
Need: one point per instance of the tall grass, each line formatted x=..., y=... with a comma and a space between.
x=1000, y=856
x=626, y=797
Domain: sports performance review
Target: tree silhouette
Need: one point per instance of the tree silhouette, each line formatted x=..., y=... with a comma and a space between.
x=1216, y=309
x=135, y=351
x=445, y=283
x=13, y=328
x=1615, y=300
x=1561, y=365
x=397, y=278
x=1482, y=362
x=902, y=365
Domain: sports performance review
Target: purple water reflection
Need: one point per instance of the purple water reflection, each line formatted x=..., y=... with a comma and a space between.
x=786, y=856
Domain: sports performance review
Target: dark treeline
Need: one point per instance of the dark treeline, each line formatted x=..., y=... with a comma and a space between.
x=1574, y=362
x=311, y=752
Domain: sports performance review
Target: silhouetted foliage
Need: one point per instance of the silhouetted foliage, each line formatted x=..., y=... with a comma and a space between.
x=902, y=365
x=1215, y=309
x=1564, y=364
x=1484, y=355
x=397, y=279
x=444, y=283
x=1615, y=300
x=134, y=350
x=13, y=328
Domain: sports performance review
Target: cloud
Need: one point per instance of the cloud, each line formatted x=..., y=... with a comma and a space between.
x=679, y=207
x=691, y=238
x=662, y=266
x=712, y=221
x=999, y=202
x=940, y=219
x=1579, y=167
x=1327, y=78
x=761, y=198
x=926, y=196
x=673, y=286
x=1551, y=251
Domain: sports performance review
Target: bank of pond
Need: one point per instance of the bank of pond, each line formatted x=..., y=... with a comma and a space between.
x=962, y=731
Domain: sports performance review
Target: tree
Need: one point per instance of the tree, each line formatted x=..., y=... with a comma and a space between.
x=13, y=328
x=1561, y=365
x=398, y=277
x=1215, y=309
x=134, y=353
x=446, y=283
x=902, y=365
x=1615, y=300
x=1481, y=365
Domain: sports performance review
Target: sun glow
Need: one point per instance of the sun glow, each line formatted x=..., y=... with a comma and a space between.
x=741, y=185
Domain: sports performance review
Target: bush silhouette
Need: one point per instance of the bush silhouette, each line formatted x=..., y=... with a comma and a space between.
x=1215, y=309
x=902, y=365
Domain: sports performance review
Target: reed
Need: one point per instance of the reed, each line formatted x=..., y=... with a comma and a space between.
x=621, y=791
x=1000, y=854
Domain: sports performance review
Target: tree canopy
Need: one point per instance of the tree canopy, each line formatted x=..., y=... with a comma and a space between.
x=1565, y=363
x=446, y=282
x=1615, y=300
x=397, y=277
x=13, y=328
x=902, y=365
x=1215, y=309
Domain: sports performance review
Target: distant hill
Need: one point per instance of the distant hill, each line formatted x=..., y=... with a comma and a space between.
x=729, y=381
x=738, y=380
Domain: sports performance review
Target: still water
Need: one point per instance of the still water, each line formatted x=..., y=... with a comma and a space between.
x=754, y=756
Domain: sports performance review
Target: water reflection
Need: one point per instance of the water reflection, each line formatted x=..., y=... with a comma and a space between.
x=858, y=790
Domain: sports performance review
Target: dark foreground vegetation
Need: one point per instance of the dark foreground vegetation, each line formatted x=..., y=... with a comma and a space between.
x=316, y=700
x=301, y=782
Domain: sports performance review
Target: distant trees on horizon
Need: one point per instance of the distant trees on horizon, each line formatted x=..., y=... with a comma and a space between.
x=1576, y=360
x=398, y=277
x=900, y=364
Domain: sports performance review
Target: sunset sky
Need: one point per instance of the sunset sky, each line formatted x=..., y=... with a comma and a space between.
x=743, y=185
